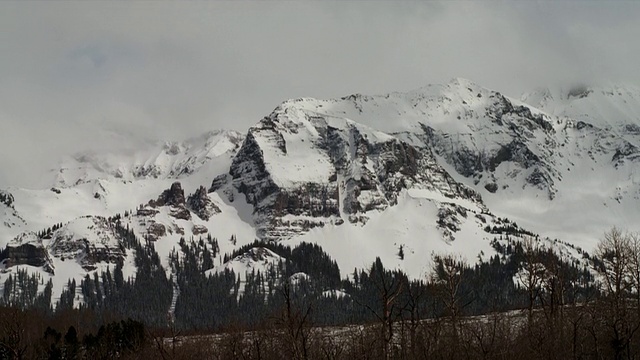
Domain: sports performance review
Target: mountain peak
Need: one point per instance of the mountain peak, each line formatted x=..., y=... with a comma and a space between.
x=164, y=160
x=462, y=82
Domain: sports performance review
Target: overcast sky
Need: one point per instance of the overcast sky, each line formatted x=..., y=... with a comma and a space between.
x=94, y=75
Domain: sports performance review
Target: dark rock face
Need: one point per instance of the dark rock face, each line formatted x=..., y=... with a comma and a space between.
x=27, y=254
x=256, y=254
x=146, y=171
x=308, y=199
x=6, y=198
x=468, y=155
x=199, y=229
x=515, y=151
x=201, y=205
x=94, y=256
x=156, y=231
x=171, y=197
x=604, y=141
x=491, y=187
x=27, y=249
x=367, y=172
x=219, y=182
x=248, y=171
x=449, y=216
x=180, y=212
x=632, y=129
x=174, y=198
x=579, y=91
x=627, y=150
x=146, y=211
x=517, y=116
x=383, y=168
x=12, y=217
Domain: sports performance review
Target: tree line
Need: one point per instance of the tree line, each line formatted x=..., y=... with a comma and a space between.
x=527, y=301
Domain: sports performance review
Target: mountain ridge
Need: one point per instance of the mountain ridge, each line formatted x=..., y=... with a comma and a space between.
x=422, y=172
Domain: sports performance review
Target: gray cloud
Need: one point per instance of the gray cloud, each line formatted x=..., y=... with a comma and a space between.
x=98, y=75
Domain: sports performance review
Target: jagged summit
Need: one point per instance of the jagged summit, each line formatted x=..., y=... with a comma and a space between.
x=489, y=128
x=173, y=196
x=302, y=169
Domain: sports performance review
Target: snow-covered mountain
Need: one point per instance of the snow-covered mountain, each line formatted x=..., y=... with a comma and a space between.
x=110, y=183
x=564, y=177
x=302, y=170
x=419, y=173
x=169, y=160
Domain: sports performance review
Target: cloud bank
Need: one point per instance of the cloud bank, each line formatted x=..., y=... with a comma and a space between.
x=100, y=75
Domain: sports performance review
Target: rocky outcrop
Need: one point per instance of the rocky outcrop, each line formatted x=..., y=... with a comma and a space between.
x=249, y=173
x=27, y=249
x=173, y=196
x=174, y=199
x=627, y=151
x=199, y=230
x=221, y=182
x=309, y=199
x=6, y=198
x=146, y=211
x=201, y=205
x=155, y=231
x=9, y=216
x=180, y=212
x=88, y=240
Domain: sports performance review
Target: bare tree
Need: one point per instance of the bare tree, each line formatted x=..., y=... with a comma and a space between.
x=448, y=274
x=634, y=267
x=615, y=252
x=296, y=324
x=415, y=296
x=389, y=286
x=532, y=273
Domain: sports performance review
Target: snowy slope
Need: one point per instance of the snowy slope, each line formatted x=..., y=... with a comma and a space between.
x=165, y=226
x=411, y=225
x=615, y=106
x=82, y=246
x=472, y=128
x=89, y=244
x=107, y=184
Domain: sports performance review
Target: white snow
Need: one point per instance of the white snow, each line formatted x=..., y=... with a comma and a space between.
x=412, y=224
